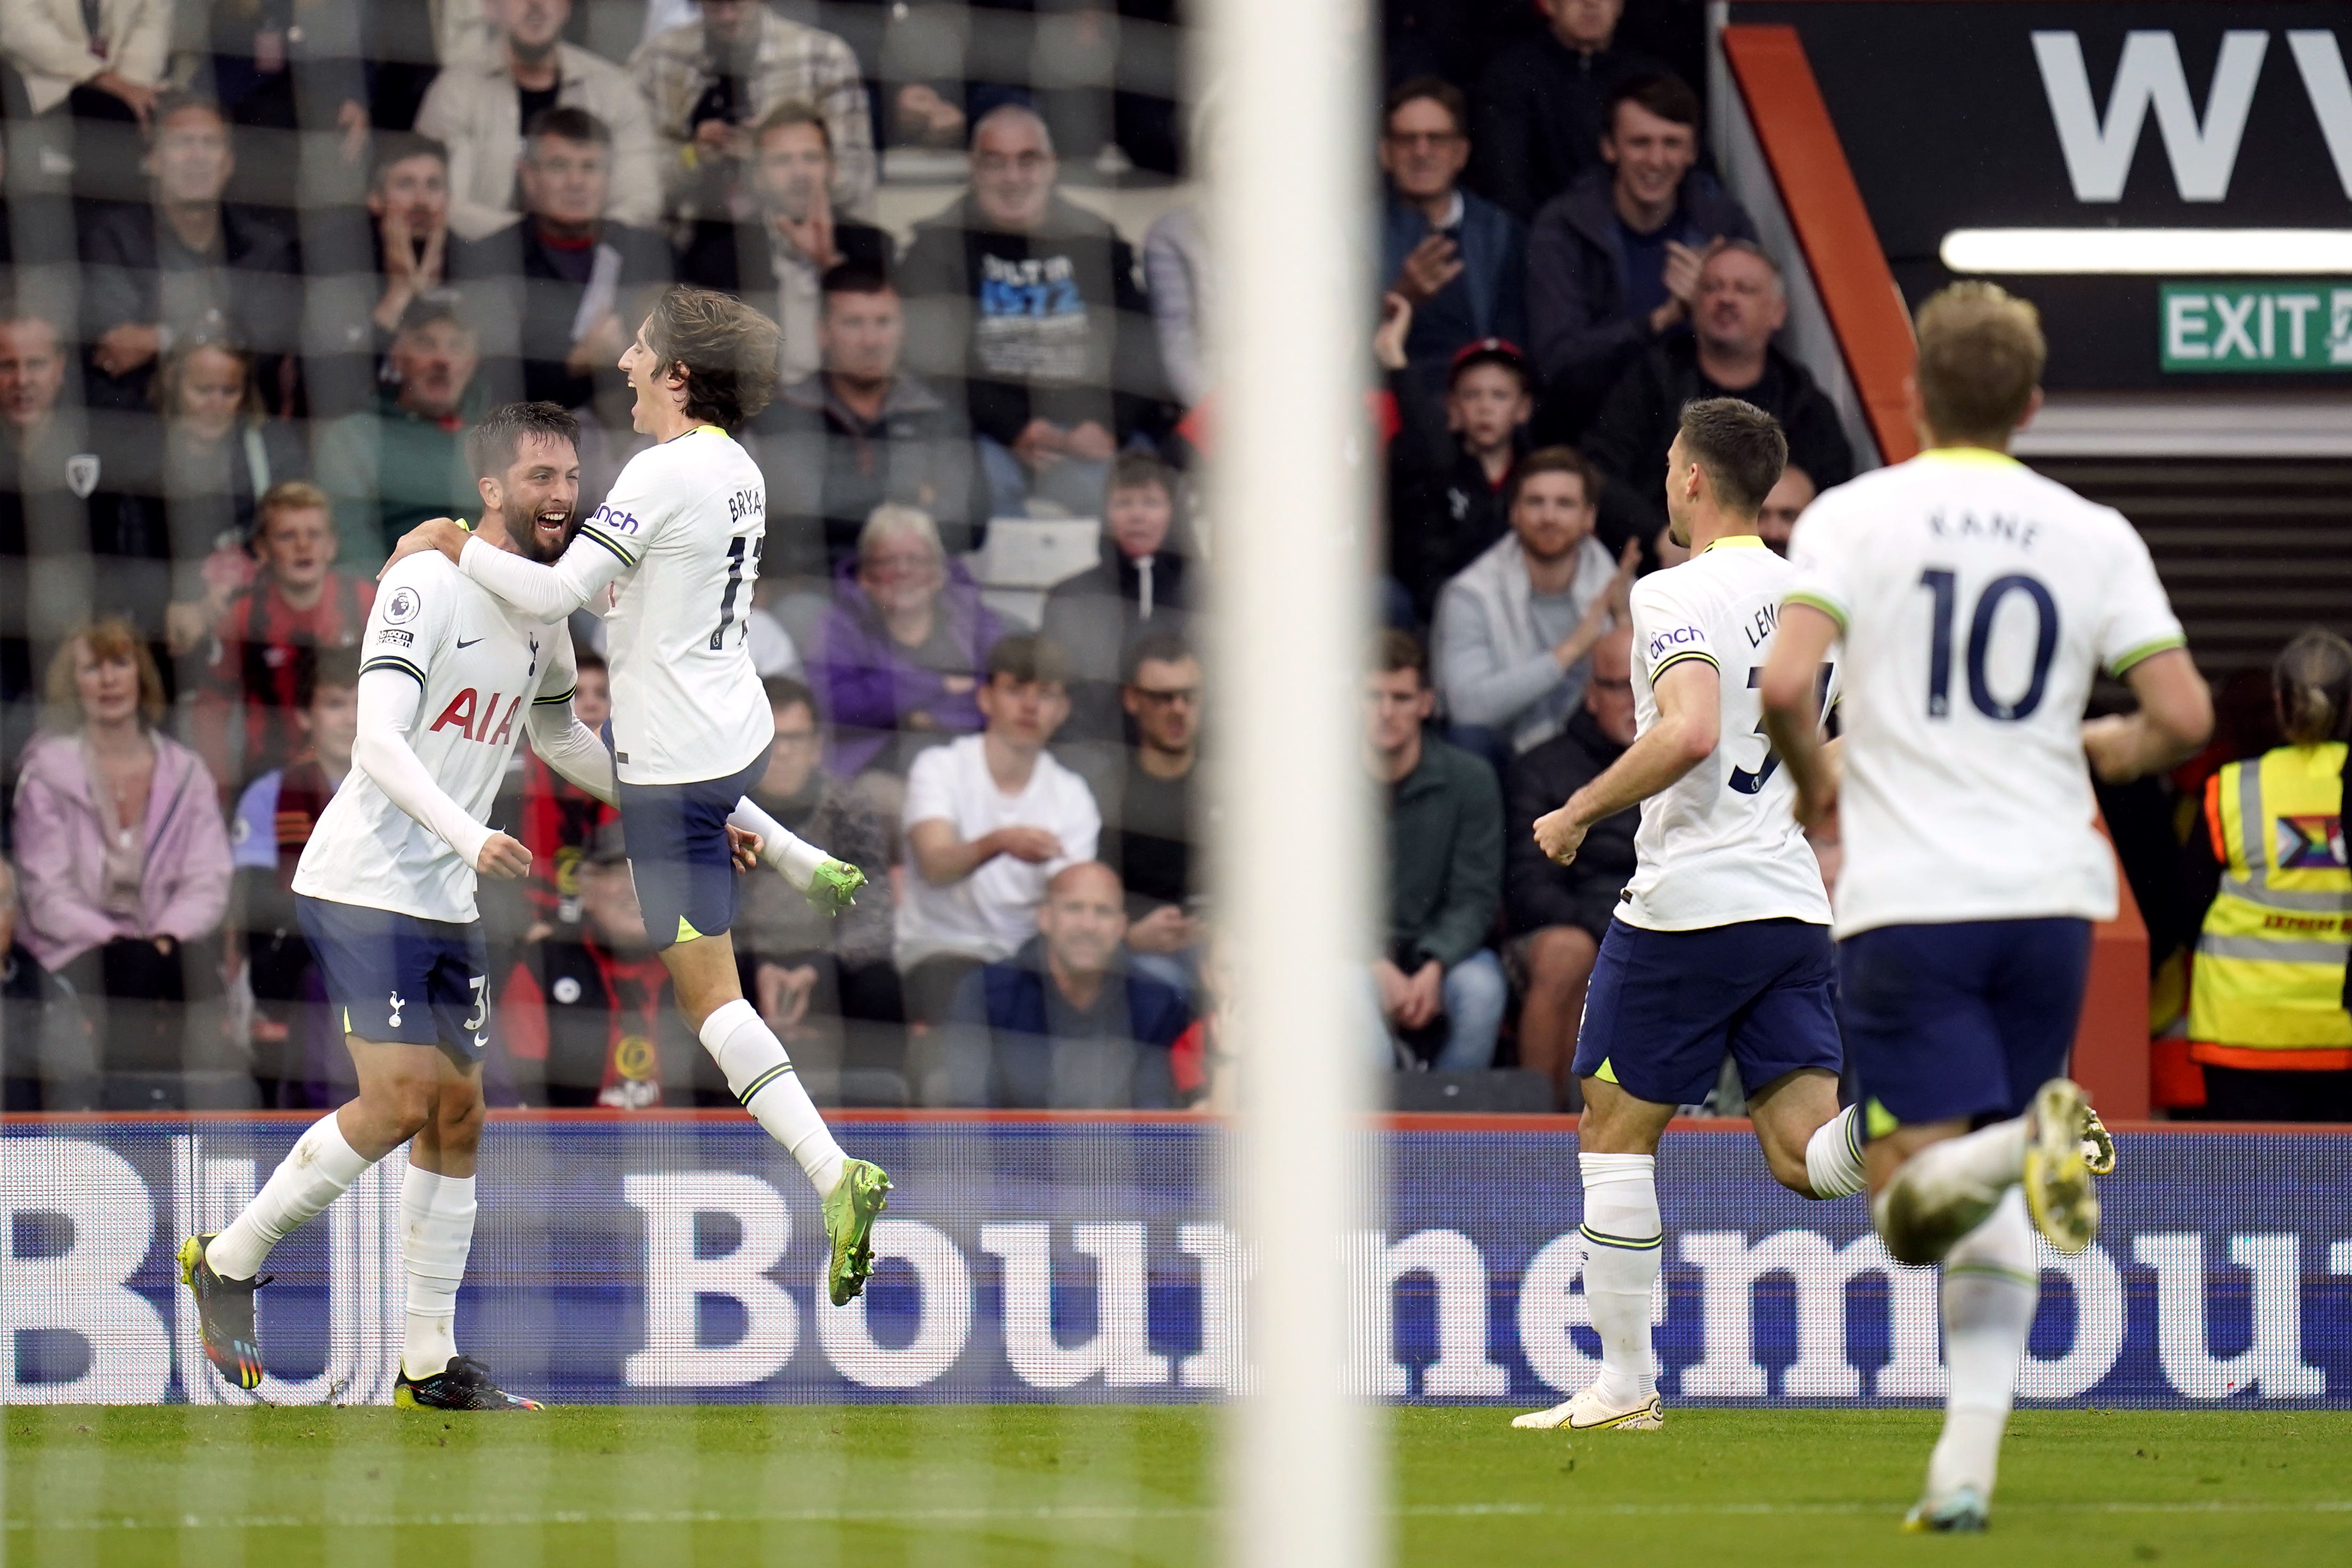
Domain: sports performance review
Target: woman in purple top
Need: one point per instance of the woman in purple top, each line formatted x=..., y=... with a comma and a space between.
x=897, y=661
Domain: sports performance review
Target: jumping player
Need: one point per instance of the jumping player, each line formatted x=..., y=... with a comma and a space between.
x=675, y=550
x=1721, y=943
x=449, y=680
x=1975, y=601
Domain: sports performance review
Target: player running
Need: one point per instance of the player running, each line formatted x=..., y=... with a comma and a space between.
x=1976, y=600
x=1721, y=943
x=449, y=678
x=674, y=549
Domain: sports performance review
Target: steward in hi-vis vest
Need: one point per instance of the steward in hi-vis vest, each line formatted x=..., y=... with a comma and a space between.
x=2267, y=992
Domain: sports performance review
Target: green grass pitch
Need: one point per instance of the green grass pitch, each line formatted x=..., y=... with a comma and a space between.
x=817, y=1488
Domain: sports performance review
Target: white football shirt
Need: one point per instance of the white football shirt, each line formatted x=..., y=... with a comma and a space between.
x=992, y=912
x=1976, y=602
x=687, y=520
x=479, y=667
x=1721, y=843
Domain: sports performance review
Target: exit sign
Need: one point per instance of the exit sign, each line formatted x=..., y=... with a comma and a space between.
x=2277, y=328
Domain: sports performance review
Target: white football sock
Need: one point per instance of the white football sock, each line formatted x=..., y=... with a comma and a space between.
x=1833, y=1166
x=436, y=1231
x=1623, y=1243
x=1991, y=1285
x=321, y=1168
x=1958, y=1181
x=781, y=847
x=763, y=1078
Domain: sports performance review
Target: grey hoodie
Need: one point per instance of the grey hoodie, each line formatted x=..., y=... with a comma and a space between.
x=1493, y=668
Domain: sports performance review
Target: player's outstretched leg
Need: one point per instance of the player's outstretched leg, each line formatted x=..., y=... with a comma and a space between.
x=1992, y=1284
x=1946, y=1189
x=1624, y=1242
x=762, y=1077
x=1812, y=1148
x=222, y=1268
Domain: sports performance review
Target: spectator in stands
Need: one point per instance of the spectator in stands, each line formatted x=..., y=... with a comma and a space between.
x=368, y=264
x=861, y=431
x=1557, y=914
x=218, y=456
x=100, y=67
x=481, y=103
x=1147, y=802
x=124, y=859
x=780, y=262
x=559, y=818
x=1139, y=585
x=1450, y=465
x=59, y=502
x=1063, y=1024
x=557, y=295
x=182, y=263
x=594, y=1021
x=1454, y=255
x=1542, y=99
x=1727, y=352
x=989, y=820
x=807, y=971
x=1516, y=628
x=390, y=469
x=2266, y=1003
x=1613, y=260
x=1180, y=275
x=1440, y=992
x=248, y=717
x=1029, y=306
x=1776, y=519
x=707, y=80
x=273, y=821
x=898, y=658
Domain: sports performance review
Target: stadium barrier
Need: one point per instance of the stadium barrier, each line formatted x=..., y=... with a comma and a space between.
x=674, y=1257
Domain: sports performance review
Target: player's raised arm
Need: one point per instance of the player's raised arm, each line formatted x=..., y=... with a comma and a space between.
x=1689, y=695
x=388, y=715
x=1792, y=719
x=599, y=554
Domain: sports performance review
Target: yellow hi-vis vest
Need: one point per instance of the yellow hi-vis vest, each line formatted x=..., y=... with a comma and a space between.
x=2268, y=987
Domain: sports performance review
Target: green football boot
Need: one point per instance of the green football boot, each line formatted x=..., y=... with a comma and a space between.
x=834, y=888
x=862, y=1192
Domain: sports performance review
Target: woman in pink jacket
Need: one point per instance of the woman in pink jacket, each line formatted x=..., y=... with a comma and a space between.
x=122, y=852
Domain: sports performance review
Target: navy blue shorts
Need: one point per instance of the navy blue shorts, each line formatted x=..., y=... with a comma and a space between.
x=1665, y=1007
x=676, y=835
x=399, y=979
x=1964, y=1020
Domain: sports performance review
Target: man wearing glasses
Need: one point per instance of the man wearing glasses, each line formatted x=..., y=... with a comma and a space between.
x=1030, y=306
x=1147, y=805
x=1454, y=255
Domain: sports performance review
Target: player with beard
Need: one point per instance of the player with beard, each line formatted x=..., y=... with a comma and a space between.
x=451, y=678
x=675, y=553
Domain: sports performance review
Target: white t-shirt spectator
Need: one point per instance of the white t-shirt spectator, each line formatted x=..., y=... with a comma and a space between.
x=992, y=912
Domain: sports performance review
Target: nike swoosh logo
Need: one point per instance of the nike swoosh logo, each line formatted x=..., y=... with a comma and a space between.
x=480, y=1040
x=463, y=643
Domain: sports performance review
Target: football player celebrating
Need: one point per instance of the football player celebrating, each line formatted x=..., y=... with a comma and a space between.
x=1975, y=601
x=675, y=550
x=451, y=678
x=1721, y=943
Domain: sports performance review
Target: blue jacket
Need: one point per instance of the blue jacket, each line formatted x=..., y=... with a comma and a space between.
x=1003, y=1058
x=1487, y=300
x=1576, y=281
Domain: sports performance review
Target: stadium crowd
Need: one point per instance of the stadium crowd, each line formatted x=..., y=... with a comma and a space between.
x=268, y=259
